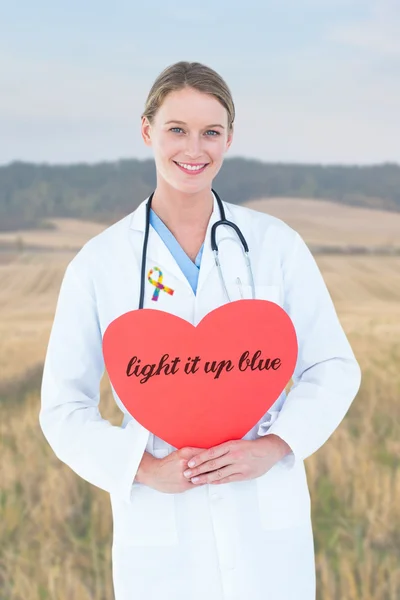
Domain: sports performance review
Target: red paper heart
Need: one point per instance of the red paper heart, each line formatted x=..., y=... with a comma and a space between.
x=200, y=409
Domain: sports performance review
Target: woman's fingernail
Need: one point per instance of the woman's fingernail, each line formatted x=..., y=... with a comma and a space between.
x=191, y=463
x=195, y=479
x=187, y=473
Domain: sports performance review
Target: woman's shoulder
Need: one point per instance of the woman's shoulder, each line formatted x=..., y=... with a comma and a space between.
x=98, y=250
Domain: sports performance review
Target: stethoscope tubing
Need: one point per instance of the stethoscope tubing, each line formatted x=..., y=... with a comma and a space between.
x=144, y=252
x=214, y=246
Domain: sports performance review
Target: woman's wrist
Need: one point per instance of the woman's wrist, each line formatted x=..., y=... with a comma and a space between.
x=145, y=469
x=273, y=444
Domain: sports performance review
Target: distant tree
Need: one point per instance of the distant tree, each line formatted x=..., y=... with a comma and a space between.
x=32, y=193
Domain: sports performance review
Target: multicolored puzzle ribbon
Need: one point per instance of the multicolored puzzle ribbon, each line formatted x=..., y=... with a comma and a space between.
x=158, y=284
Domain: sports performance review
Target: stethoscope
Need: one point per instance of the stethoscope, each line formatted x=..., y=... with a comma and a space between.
x=223, y=221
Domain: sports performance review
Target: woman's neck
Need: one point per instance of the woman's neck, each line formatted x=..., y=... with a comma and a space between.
x=186, y=215
x=180, y=211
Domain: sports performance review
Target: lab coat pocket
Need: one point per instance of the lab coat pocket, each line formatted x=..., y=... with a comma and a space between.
x=149, y=519
x=283, y=496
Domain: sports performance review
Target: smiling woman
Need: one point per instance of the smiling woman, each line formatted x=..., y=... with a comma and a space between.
x=230, y=521
x=188, y=121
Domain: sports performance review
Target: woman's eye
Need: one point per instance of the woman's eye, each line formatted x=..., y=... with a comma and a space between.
x=212, y=131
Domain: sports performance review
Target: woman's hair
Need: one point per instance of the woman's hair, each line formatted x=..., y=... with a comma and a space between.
x=189, y=75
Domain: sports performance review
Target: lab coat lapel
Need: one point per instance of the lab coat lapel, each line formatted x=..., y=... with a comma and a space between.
x=207, y=259
x=158, y=255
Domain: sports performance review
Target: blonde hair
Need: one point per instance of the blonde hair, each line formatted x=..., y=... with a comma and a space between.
x=193, y=75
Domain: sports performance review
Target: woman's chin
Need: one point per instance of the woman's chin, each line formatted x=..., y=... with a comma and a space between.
x=190, y=187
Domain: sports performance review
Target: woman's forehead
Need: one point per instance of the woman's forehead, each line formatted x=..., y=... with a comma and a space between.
x=191, y=105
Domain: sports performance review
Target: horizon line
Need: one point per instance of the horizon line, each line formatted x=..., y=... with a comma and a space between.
x=230, y=158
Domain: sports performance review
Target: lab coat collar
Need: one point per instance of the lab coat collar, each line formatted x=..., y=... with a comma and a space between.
x=138, y=218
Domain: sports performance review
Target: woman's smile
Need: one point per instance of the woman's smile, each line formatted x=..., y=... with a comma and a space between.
x=191, y=169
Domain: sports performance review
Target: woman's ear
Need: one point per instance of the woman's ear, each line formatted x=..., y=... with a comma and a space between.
x=230, y=139
x=146, y=130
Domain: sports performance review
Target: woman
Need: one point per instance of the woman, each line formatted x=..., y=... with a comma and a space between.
x=177, y=534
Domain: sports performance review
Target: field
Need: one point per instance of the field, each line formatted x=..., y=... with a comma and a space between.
x=56, y=528
x=66, y=234
x=332, y=224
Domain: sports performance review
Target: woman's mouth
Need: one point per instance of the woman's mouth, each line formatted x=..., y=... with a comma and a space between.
x=191, y=169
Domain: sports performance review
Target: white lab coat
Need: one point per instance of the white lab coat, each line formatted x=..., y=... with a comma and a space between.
x=241, y=540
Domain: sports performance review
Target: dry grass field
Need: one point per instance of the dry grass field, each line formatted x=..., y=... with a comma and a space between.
x=332, y=224
x=68, y=235
x=55, y=529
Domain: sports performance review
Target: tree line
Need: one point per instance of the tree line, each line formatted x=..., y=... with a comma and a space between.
x=31, y=193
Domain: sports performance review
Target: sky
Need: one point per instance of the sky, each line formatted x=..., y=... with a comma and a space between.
x=313, y=81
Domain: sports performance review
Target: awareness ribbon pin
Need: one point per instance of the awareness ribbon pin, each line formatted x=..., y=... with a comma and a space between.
x=158, y=284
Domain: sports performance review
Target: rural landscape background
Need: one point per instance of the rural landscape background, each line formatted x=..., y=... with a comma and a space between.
x=316, y=88
x=56, y=528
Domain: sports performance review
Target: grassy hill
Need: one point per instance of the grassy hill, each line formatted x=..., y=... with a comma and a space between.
x=326, y=223
x=323, y=224
x=30, y=194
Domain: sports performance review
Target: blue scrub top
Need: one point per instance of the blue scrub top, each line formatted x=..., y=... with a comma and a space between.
x=189, y=268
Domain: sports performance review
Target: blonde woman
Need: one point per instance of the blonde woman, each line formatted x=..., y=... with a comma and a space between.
x=236, y=524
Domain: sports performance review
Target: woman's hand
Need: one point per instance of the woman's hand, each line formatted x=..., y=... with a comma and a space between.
x=236, y=460
x=166, y=474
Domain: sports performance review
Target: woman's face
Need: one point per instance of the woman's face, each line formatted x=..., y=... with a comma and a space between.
x=189, y=137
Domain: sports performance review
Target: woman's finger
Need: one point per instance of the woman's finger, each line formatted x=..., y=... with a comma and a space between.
x=215, y=476
x=208, y=466
x=210, y=454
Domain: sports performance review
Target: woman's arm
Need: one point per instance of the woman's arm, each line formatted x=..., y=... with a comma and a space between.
x=327, y=375
x=105, y=455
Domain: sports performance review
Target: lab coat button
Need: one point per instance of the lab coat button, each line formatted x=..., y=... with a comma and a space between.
x=215, y=496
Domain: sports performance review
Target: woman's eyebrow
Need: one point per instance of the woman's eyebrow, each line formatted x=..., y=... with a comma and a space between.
x=183, y=123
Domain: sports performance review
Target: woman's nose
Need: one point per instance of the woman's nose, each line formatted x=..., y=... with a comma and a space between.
x=193, y=146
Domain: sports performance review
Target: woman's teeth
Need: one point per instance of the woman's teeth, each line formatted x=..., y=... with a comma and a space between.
x=191, y=167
